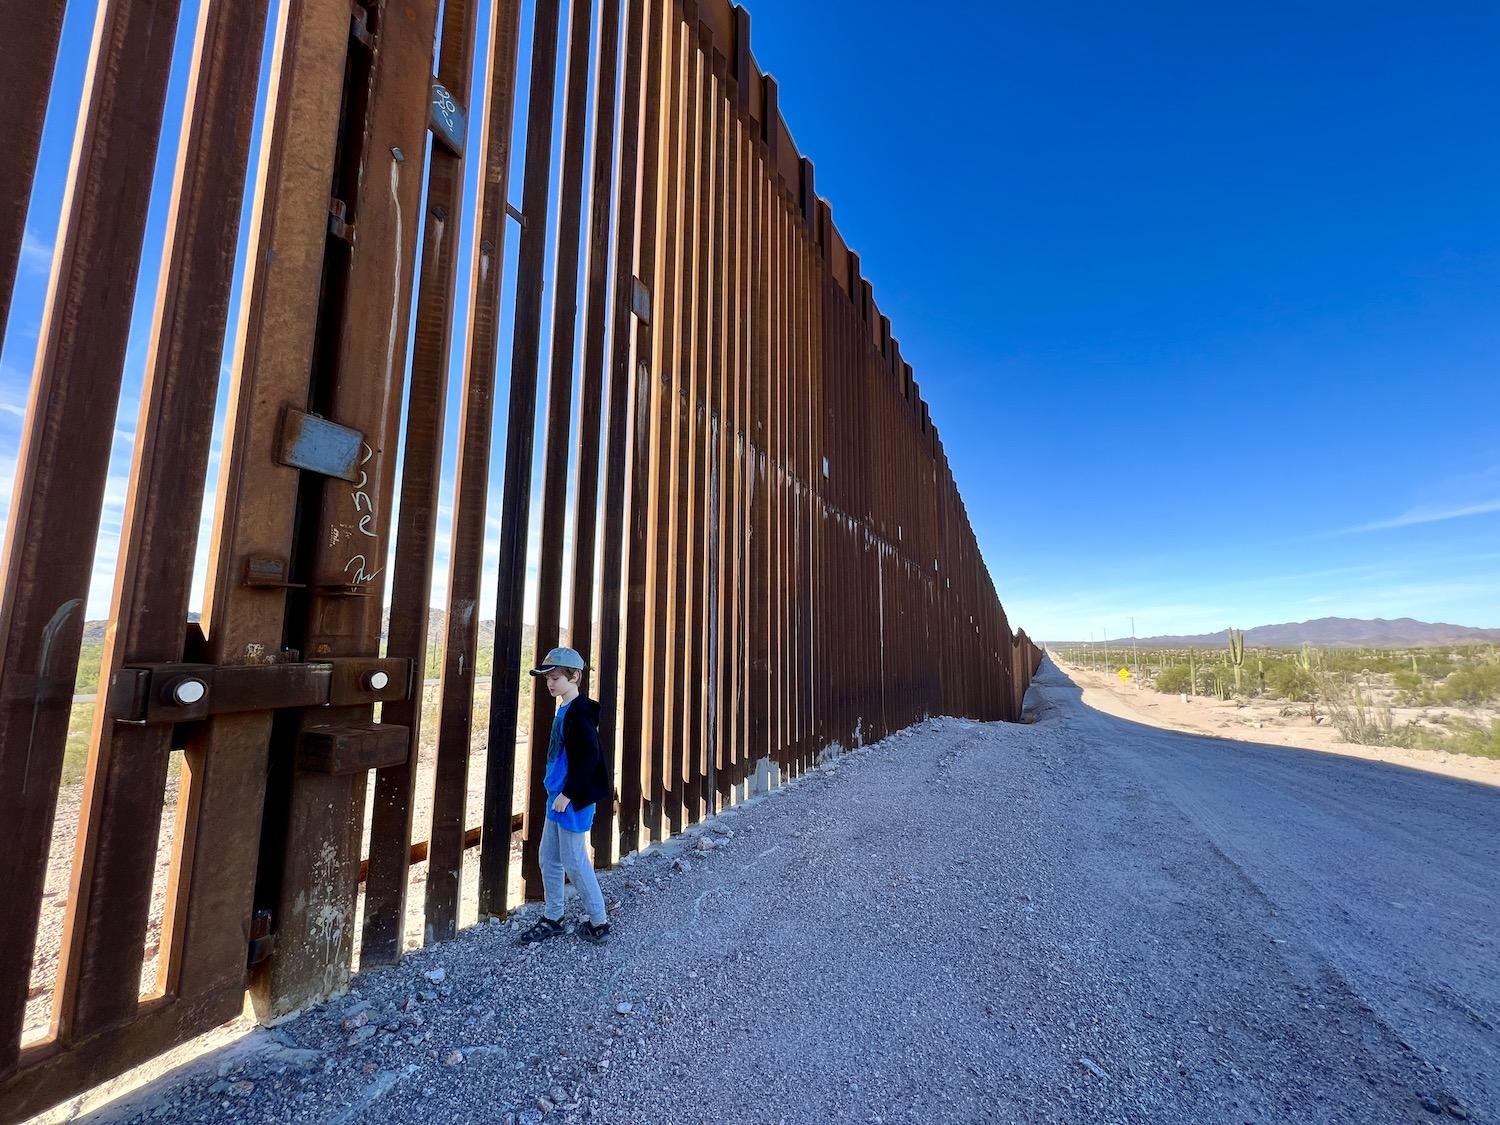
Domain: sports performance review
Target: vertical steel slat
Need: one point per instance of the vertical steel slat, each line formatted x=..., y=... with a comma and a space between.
x=471, y=491
x=411, y=579
x=736, y=444
x=760, y=658
x=750, y=751
x=786, y=523
x=559, y=410
x=808, y=412
x=592, y=409
x=856, y=336
x=841, y=469
x=852, y=474
x=718, y=493
x=494, y=865
x=721, y=417
x=815, y=356
x=693, y=556
x=844, y=474
x=780, y=523
x=27, y=57
x=658, y=784
x=677, y=734
x=224, y=771
x=622, y=692
x=788, y=518
x=106, y=933
x=774, y=588
x=344, y=529
x=797, y=400
x=805, y=413
x=741, y=313
x=791, y=451
x=821, y=291
x=64, y=459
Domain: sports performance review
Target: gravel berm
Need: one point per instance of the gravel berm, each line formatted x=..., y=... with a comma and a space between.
x=1077, y=919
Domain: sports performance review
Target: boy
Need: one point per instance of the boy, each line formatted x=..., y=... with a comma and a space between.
x=575, y=781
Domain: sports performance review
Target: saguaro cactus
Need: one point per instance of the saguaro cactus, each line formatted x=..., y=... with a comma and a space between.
x=1237, y=655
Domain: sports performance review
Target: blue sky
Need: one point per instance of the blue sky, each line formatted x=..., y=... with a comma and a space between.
x=1203, y=297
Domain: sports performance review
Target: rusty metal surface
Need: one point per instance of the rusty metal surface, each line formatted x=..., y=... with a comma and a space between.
x=343, y=542
x=411, y=579
x=515, y=513
x=470, y=502
x=633, y=371
x=593, y=461
x=660, y=779
x=27, y=55
x=62, y=466
x=681, y=734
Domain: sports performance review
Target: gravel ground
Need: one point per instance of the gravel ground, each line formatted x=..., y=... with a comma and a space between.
x=1081, y=919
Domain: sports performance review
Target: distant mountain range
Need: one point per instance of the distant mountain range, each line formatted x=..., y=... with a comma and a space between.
x=1333, y=632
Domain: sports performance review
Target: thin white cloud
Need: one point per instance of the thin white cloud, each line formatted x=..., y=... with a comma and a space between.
x=1414, y=516
x=36, y=253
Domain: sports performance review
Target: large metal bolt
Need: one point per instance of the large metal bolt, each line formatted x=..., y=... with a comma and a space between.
x=188, y=691
x=377, y=681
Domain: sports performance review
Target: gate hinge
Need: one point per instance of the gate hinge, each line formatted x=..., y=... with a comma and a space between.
x=180, y=693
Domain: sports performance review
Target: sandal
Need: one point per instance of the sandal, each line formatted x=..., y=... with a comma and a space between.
x=540, y=930
x=592, y=933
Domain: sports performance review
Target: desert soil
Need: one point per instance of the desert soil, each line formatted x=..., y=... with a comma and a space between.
x=1273, y=722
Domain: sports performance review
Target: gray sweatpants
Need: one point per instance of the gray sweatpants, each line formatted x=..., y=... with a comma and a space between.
x=566, y=852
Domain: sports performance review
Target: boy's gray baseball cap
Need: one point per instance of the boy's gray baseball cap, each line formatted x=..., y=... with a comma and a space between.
x=560, y=658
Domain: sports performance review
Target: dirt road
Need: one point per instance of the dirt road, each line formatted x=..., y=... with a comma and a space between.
x=1082, y=919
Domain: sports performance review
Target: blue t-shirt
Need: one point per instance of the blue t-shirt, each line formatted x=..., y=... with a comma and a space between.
x=572, y=818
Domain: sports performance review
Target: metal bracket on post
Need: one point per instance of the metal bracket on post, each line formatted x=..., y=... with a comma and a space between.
x=640, y=300
x=320, y=446
x=347, y=748
x=150, y=694
x=338, y=224
x=359, y=26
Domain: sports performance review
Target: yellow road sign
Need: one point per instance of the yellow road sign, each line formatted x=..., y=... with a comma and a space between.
x=1124, y=674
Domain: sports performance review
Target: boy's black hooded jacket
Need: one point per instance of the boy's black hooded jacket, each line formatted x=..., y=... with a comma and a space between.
x=587, y=782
